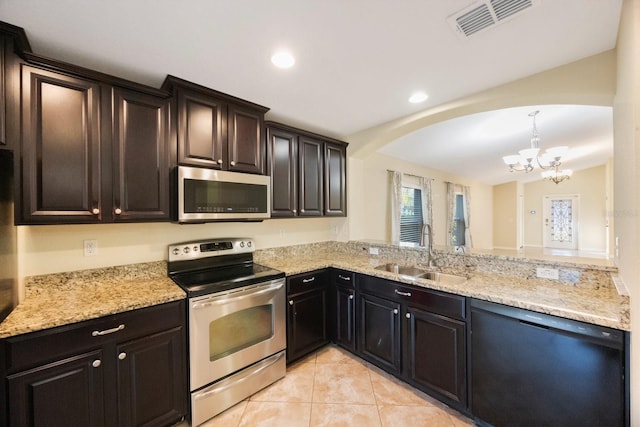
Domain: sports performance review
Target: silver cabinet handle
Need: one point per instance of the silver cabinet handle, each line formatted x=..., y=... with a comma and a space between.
x=118, y=211
x=96, y=363
x=311, y=279
x=404, y=294
x=233, y=163
x=344, y=277
x=395, y=311
x=122, y=356
x=408, y=315
x=350, y=296
x=95, y=211
x=290, y=302
x=107, y=331
x=220, y=161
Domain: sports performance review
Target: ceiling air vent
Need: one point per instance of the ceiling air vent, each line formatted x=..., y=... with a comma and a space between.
x=487, y=14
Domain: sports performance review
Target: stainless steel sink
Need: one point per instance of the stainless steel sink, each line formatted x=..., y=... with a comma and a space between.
x=419, y=273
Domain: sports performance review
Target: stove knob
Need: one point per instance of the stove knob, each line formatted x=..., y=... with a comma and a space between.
x=176, y=251
x=186, y=250
x=249, y=244
x=195, y=249
x=242, y=244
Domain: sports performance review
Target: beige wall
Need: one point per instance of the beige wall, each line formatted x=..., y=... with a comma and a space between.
x=505, y=216
x=626, y=133
x=591, y=186
x=50, y=249
x=368, y=188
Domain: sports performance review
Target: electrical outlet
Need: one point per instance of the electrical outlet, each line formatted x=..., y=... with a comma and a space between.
x=90, y=247
x=547, y=273
x=374, y=251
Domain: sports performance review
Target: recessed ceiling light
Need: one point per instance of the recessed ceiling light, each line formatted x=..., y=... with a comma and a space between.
x=283, y=59
x=418, y=97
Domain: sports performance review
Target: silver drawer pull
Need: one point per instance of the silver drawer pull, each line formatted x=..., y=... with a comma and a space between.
x=311, y=279
x=408, y=315
x=122, y=356
x=350, y=296
x=395, y=311
x=96, y=363
x=404, y=294
x=344, y=278
x=107, y=331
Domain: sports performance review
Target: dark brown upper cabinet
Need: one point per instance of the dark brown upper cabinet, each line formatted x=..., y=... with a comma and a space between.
x=141, y=158
x=12, y=39
x=216, y=130
x=283, y=169
x=92, y=152
x=308, y=173
x=335, y=178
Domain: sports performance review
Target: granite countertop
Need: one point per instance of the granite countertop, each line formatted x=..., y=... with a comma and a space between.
x=600, y=305
x=65, y=298
x=60, y=299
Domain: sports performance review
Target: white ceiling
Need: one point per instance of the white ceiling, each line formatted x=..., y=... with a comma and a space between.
x=473, y=146
x=357, y=61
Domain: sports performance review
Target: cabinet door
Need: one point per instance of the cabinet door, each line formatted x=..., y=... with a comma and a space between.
x=4, y=47
x=64, y=393
x=152, y=389
x=141, y=160
x=379, y=332
x=283, y=167
x=311, y=183
x=245, y=142
x=60, y=148
x=436, y=352
x=335, y=180
x=345, y=317
x=202, y=124
x=306, y=323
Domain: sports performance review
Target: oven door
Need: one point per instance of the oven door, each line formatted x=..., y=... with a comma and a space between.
x=231, y=330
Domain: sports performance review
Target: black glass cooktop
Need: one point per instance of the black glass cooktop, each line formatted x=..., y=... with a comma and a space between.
x=219, y=279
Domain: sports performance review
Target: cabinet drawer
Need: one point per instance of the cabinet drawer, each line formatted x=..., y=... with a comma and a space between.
x=306, y=281
x=343, y=278
x=24, y=351
x=426, y=299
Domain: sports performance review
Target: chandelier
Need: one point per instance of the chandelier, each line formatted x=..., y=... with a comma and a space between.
x=550, y=161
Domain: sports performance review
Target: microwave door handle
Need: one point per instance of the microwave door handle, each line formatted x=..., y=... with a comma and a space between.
x=225, y=299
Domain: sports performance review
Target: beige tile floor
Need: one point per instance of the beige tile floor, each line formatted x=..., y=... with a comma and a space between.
x=334, y=388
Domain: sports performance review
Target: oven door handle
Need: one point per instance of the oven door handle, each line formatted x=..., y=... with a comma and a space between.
x=242, y=377
x=225, y=299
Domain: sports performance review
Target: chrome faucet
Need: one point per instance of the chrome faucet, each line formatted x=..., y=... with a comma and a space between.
x=427, y=228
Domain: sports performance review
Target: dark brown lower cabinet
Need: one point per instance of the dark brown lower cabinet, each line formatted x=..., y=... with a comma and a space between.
x=417, y=334
x=435, y=353
x=127, y=369
x=150, y=388
x=344, y=317
x=63, y=393
x=379, y=332
x=306, y=313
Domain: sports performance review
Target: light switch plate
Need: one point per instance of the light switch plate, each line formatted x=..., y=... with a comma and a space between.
x=374, y=251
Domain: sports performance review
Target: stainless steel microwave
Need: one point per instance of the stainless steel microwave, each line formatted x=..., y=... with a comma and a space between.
x=208, y=195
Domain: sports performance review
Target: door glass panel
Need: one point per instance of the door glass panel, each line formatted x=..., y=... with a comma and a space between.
x=240, y=330
x=561, y=221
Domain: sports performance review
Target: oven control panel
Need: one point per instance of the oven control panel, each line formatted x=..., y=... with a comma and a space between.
x=208, y=248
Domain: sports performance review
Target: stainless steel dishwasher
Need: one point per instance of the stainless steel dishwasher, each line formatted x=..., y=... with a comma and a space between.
x=533, y=369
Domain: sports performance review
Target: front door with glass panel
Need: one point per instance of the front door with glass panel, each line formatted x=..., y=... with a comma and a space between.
x=560, y=228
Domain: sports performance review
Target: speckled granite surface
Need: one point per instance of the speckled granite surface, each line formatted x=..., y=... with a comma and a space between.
x=594, y=300
x=60, y=299
x=585, y=292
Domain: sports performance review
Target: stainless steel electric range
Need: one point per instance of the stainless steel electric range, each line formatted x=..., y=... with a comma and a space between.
x=237, y=322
